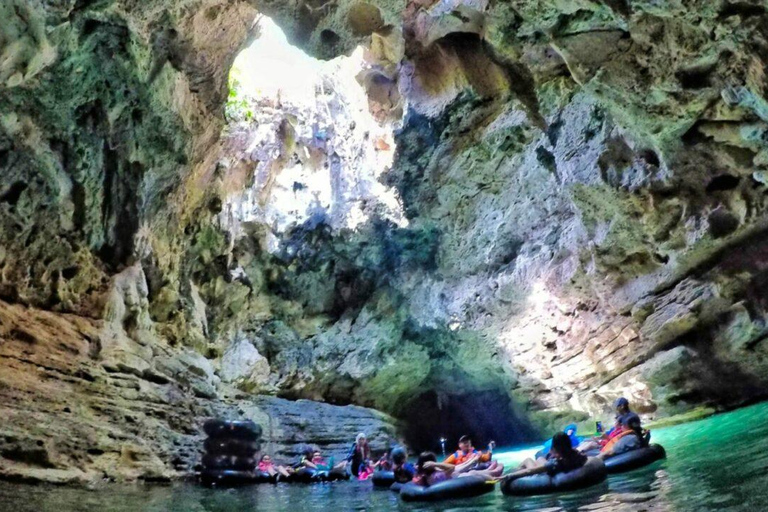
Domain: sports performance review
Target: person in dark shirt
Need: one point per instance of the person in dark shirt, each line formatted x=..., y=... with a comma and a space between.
x=359, y=454
x=624, y=416
x=404, y=471
x=562, y=459
x=623, y=413
x=631, y=438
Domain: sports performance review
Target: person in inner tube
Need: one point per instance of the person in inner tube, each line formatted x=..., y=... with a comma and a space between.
x=562, y=459
x=570, y=431
x=266, y=465
x=314, y=460
x=630, y=438
x=623, y=416
x=430, y=472
x=385, y=462
x=403, y=470
x=467, y=457
x=359, y=454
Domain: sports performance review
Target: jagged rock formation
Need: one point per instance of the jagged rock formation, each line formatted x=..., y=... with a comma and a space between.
x=584, y=185
x=68, y=418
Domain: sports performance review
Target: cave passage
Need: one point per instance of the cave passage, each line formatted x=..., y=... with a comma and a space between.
x=483, y=415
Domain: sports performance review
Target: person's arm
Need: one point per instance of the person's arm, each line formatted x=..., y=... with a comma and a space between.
x=448, y=468
x=525, y=472
x=464, y=465
x=351, y=453
x=485, y=456
x=308, y=463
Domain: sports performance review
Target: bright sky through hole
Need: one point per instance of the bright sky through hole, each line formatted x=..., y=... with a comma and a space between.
x=270, y=64
x=338, y=149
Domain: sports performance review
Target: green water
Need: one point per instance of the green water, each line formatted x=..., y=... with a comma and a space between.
x=720, y=463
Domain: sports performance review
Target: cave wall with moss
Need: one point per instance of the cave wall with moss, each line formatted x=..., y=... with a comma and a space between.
x=584, y=183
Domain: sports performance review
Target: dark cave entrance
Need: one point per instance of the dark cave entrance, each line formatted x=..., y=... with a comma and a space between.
x=484, y=415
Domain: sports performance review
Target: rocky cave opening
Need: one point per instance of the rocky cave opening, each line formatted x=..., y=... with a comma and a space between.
x=306, y=134
x=485, y=415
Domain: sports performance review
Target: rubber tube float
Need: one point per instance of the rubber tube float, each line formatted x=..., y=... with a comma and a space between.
x=234, y=462
x=461, y=487
x=634, y=459
x=240, y=447
x=383, y=478
x=591, y=473
x=232, y=478
x=246, y=430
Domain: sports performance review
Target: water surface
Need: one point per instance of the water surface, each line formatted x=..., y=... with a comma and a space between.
x=720, y=463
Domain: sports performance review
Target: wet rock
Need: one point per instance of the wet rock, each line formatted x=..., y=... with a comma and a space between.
x=243, y=365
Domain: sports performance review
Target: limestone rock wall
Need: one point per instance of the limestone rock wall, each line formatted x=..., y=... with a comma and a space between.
x=591, y=177
x=69, y=419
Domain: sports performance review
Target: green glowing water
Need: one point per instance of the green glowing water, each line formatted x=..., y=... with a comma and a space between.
x=720, y=463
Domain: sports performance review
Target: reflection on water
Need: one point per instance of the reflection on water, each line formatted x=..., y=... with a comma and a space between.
x=720, y=463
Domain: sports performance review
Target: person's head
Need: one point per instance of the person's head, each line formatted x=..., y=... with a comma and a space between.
x=308, y=453
x=424, y=458
x=316, y=455
x=266, y=458
x=634, y=425
x=621, y=405
x=561, y=445
x=570, y=430
x=361, y=439
x=465, y=443
x=398, y=456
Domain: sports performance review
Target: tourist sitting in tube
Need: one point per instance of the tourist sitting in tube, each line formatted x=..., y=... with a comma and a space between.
x=629, y=438
x=562, y=458
x=570, y=431
x=359, y=454
x=467, y=457
x=402, y=469
x=385, y=462
x=267, y=466
x=623, y=417
x=314, y=460
x=366, y=471
x=430, y=472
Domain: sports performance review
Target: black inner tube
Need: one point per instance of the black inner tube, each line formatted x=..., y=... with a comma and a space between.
x=383, y=478
x=591, y=473
x=634, y=459
x=247, y=429
x=462, y=487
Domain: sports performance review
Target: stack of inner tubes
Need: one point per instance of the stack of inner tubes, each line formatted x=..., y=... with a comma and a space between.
x=230, y=453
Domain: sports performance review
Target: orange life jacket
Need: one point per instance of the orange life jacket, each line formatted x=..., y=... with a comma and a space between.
x=460, y=457
x=612, y=442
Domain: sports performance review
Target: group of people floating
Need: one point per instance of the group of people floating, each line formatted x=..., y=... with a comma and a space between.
x=564, y=453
